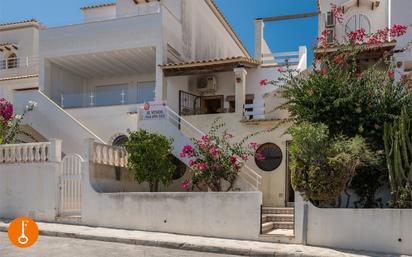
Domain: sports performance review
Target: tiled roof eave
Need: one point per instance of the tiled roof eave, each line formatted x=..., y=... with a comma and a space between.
x=28, y=22
x=20, y=77
x=97, y=6
x=212, y=62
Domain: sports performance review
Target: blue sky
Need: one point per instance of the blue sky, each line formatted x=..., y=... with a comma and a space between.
x=281, y=36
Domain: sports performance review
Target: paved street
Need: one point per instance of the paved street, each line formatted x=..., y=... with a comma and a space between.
x=68, y=247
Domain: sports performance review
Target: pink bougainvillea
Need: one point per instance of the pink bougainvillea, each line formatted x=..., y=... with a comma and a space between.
x=6, y=109
x=263, y=82
x=213, y=159
x=9, y=122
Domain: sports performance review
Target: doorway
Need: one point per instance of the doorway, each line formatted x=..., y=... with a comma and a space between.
x=289, y=192
x=212, y=104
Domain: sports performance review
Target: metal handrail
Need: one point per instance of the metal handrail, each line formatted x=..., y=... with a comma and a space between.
x=250, y=172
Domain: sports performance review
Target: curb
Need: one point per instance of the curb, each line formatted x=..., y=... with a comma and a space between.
x=165, y=244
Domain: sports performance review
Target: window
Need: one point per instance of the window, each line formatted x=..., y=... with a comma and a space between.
x=272, y=157
x=12, y=61
x=358, y=21
x=330, y=37
x=330, y=19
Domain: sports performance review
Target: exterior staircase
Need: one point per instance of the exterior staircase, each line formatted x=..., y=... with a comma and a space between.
x=181, y=131
x=278, y=220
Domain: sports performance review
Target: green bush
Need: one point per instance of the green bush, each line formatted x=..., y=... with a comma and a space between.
x=149, y=161
x=322, y=166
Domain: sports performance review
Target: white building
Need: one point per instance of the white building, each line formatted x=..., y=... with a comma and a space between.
x=93, y=78
x=371, y=15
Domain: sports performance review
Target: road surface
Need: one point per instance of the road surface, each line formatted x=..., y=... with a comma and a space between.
x=68, y=247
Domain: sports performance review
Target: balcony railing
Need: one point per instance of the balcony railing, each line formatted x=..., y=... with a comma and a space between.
x=19, y=66
x=108, y=98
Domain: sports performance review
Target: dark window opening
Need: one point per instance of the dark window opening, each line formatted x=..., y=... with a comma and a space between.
x=119, y=141
x=180, y=167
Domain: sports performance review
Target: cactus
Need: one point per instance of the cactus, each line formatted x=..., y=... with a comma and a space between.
x=398, y=151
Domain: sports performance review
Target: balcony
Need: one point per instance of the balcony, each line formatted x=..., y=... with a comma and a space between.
x=110, y=96
x=140, y=30
x=19, y=66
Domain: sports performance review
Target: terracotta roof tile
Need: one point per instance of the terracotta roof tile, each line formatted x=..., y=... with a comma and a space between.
x=234, y=59
x=97, y=6
x=19, y=22
x=20, y=77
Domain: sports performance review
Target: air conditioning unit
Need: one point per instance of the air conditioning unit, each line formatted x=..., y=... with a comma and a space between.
x=206, y=84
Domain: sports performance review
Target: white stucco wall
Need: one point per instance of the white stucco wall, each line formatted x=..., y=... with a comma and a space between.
x=230, y=215
x=29, y=189
x=107, y=121
x=377, y=230
x=27, y=39
x=95, y=14
x=203, y=33
x=51, y=121
x=99, y=36
x=401, y=13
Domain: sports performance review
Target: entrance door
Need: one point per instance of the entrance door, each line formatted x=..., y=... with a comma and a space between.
x=290, y=193
x=70, y=186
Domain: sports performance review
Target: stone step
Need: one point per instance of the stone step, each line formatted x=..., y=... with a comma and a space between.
x=278, y=210
x=283, y=225
x=266, y=227
x=278, y=217
x=72, y=220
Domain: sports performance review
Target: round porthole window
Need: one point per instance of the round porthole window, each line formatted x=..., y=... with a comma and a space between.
x=268, y=157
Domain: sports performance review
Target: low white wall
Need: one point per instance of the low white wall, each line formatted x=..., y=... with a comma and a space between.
x=378, y=230
x=230, y=215
x=29, y=189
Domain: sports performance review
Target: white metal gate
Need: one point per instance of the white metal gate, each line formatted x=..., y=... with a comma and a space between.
x=71, y=186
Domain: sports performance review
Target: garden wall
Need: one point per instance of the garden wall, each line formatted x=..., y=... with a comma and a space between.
x=378, y=230
x=231, y=214
x=29, y=175
x=29, y=190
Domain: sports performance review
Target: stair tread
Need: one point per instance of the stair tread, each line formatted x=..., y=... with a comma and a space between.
x=283, y=222
x=278, y=215
x=278, y=208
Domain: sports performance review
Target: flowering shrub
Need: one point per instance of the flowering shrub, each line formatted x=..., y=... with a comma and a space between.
x=352, y=101
x=215, y=161
x=9, y=122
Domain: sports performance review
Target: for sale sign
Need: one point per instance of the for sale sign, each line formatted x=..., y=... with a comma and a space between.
x=154, y=111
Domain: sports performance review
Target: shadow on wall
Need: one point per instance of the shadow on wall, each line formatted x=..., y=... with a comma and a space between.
x=110, y=179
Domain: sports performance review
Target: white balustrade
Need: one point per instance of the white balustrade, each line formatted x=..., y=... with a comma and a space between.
x=109, y=155
x=25, y=153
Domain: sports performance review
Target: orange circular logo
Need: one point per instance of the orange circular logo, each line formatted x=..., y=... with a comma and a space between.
x=23, y=232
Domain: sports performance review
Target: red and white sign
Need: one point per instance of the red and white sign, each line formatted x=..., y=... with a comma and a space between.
x=154, y=111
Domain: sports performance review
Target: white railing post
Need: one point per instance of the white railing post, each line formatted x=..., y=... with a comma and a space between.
x=259, y=27
x=303, y=53
x=55, y=150
x=89, y=149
